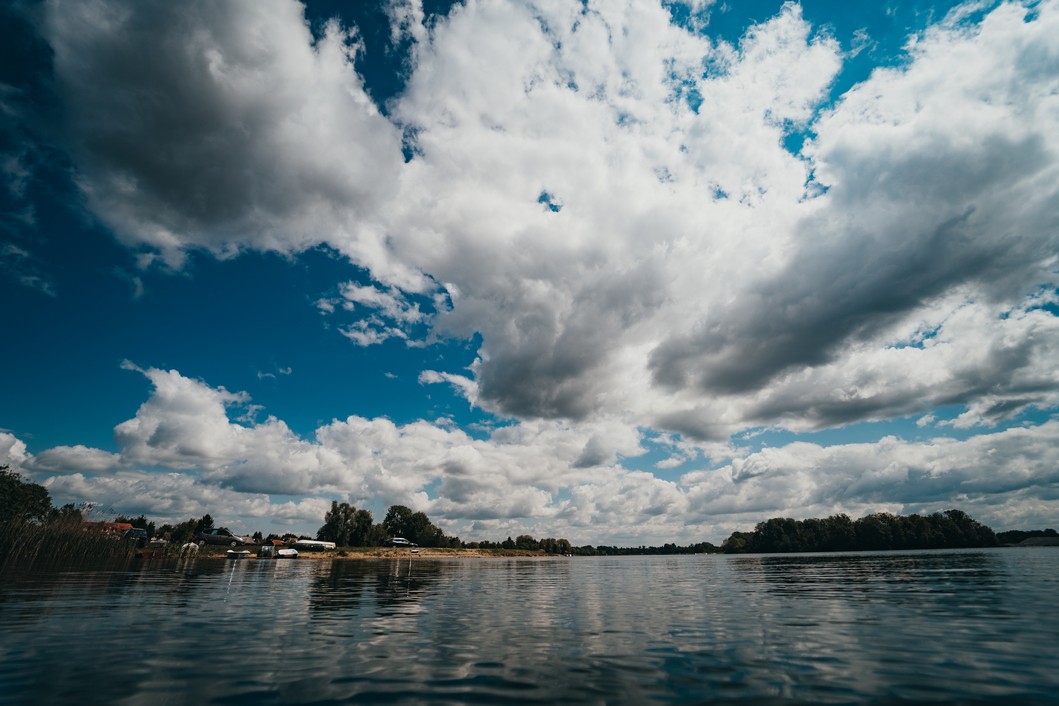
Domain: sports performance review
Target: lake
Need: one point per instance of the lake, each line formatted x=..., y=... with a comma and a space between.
x=972, y=626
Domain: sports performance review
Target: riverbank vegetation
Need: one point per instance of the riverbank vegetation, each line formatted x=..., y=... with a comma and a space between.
x=30, y=527
x=952, y=529
x=347, y=526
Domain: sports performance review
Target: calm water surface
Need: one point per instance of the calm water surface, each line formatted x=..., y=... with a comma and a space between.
x=955, y=627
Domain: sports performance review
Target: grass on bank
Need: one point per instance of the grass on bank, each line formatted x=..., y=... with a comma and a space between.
x=24, y=542
x=391, y=553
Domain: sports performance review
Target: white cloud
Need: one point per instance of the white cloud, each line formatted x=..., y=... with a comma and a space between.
x=185, y=425
x=543, y=478
x=174, y=497
x=466, y=387
x=224, y=127
x=990, y=473
x=696, y=272
x=693, y=277
x=407, y=20
x=13, y=451
x=75, y=458
x=385, y=313
x=388, y=302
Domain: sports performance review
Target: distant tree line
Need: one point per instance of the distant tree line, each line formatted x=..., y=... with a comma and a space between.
x=1016, y=536
x=951, y=529
x=347, y=526
x=604, y=550
x=22, y=501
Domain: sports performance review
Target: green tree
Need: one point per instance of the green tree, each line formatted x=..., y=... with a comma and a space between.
x=969, y=531
x=423, y=532
x=21, y=499
x=203, y=524
x=68, y=514
x=778, y=534
x=376, y=536
x=142, y=522
x=398, y=521
x=346, y=526
x=185, y=531
x=525, y=541
x=839, y=533
x=736, y=543
x=875, y=531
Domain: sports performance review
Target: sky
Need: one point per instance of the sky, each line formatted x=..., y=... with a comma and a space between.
x=621, y=272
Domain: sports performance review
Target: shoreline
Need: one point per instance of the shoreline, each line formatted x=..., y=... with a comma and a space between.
x=392, y=553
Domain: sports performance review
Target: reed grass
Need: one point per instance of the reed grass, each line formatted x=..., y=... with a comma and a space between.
x=26, y=543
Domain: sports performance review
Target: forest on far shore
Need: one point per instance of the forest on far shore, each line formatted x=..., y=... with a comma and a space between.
x=22, y=501
x=952, y=529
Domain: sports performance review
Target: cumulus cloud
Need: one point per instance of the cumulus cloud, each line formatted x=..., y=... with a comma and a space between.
x=692, y=280
x=75, y=458
x=605, y=196
x=13, y=452
x=942, y=179
x=607, y=199
x=174, y=497
x=223, y=127
x=541, y=477
x=989, y=475
x=187, y=425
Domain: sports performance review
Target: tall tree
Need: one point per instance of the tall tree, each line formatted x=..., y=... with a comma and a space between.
x=185, y=531
x=347, y=526
x=21, y=499
x=416, y=527
x=204, y=524
x=68, y=514
x=398, y=521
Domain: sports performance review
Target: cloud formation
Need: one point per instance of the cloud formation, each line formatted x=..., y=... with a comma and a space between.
x=607, y=198
x=545, y=478
x=613, y=204
x=223, y=127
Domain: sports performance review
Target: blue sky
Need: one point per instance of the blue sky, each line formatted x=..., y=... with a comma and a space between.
x=619, y=272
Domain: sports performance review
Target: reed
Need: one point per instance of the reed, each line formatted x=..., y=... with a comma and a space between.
x=26, y=543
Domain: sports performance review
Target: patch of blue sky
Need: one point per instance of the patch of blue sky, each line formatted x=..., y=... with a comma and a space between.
x=64, y=377
x=383, y=64
x=939, y=423
x=913, y=428
x=550, y=201
x=870, y=35
x=918, y=340
x=1047, y=300
x=662, y=457
x=483, y=424
x=248, y=324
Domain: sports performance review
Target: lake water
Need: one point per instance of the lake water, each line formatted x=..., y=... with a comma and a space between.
x=976, y=626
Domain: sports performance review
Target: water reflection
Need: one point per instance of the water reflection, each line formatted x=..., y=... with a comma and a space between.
x=971, y=578
x=385, y=585
x=922, y=627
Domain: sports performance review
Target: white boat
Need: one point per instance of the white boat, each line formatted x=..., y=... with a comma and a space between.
x=232, y=554
x=287, y=554
x=314, y=545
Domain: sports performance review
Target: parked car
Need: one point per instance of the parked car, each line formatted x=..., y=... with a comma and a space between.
x=138, y=535
x=400, y=542
x=221, y=536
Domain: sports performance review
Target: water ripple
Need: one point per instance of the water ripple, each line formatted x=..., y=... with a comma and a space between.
x=915, y=627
